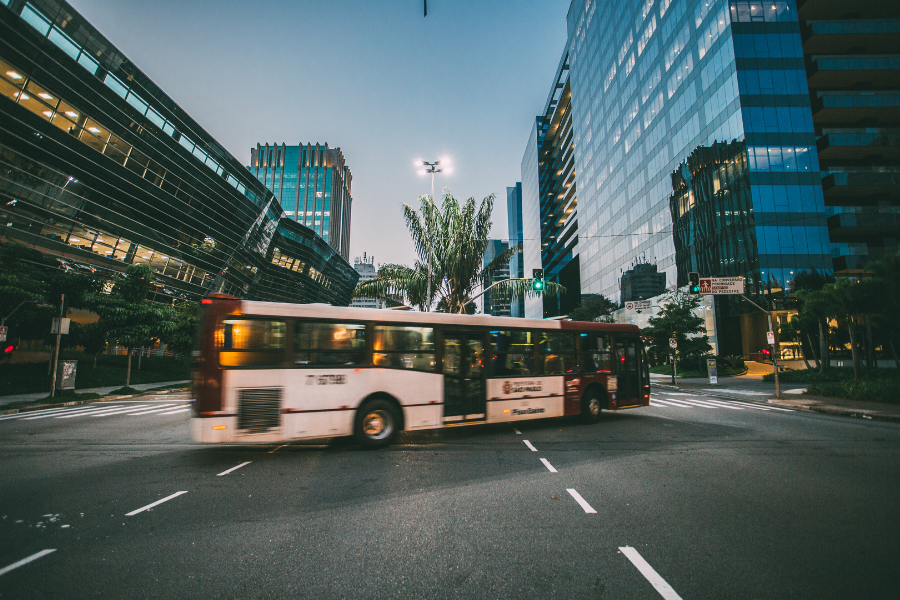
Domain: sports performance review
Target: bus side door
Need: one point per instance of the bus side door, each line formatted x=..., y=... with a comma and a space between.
x=465, y=394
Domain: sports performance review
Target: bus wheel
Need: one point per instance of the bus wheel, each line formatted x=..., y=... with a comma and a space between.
x=591, y=406
x=377, y=424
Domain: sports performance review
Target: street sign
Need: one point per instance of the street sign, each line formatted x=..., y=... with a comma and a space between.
x=638, y=305
x=721, y=285
x=673, y=343
x=2, y=333
x=60, y=326
x=770, y=336
x=713, y=371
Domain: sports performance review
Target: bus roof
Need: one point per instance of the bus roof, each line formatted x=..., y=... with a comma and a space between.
x=324, y=311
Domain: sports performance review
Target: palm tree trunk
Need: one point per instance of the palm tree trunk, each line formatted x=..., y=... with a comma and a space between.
x=812, y=348
x=870, y=345
x=854, y=350
x=823, y=349
x=128, y=369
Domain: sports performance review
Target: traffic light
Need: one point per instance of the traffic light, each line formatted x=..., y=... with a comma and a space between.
x=537, y=280
x=693, y=283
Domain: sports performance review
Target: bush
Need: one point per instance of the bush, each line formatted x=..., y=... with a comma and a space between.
x=734, y=361
x=872, y=390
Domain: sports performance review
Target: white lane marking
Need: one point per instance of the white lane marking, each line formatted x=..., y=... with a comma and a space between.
x=739, y=405
x=517, y=431
x=582, y=502
x=548, y=465
x=176, y=411
x=161, y=407
x=112, y=412
x=740, y=392
x=705, y=404
x=34, y=414
x=151, y=505
x=26, y=560
x=665, y=590
x=678, y=403
x=243, y=464
x=98, y=412
x=70, y=410
x=530, y=447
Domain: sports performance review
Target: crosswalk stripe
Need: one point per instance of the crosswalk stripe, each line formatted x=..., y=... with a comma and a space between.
x=175, y=412
x=725, y=403
x=152, y=410
x=678, y=403
x=710, y=405
x=99, y=412
x=77, y=410
x=34, y=413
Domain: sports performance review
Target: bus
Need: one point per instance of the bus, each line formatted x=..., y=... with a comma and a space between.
x=273, y=372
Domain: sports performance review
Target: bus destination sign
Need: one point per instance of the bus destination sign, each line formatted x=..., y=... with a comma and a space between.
x=721, y=285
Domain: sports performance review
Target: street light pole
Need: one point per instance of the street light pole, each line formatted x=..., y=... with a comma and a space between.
x=432, y=168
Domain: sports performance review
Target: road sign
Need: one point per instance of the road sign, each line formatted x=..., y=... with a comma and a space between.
x=721, y=285
x=2, y=333
x=770, y=336
x=713, y=371
x=673, y=343
x=638, y=305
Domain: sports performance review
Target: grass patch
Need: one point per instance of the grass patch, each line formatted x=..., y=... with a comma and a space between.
x=110, y=370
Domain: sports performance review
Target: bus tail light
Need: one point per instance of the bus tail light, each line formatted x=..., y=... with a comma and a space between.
x=217, y=427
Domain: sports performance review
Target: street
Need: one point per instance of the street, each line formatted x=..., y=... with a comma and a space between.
x=692, y=497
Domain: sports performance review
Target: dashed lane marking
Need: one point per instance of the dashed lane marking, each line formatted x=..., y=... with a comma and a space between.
x=582, y=502
x=548, y=465
x=152, y=504
x=530, y=447
x=26, y=560
x=243, y=464
x=665, y=590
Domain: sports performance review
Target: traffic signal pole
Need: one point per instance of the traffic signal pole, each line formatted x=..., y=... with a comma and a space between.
x=774, y=354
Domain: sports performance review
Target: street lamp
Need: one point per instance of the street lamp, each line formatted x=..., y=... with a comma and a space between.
x=429, y=168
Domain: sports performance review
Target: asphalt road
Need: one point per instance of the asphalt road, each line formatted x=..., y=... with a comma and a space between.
x=706, y=498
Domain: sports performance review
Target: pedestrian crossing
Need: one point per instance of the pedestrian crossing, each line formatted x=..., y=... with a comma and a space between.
x=101, y=411
x=690, y=401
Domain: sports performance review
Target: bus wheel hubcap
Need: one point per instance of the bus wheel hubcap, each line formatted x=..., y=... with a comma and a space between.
x=377, y=424
x=594, y=406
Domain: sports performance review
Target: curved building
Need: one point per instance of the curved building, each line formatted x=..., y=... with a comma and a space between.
x=98, y=165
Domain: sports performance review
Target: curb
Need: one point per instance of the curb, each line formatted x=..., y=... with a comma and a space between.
x=838, y=411
x=13, y=411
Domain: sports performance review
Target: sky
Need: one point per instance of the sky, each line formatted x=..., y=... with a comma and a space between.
x=373, y=77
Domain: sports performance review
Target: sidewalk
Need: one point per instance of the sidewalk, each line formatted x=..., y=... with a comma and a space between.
x=16, y=398
x=746, y=389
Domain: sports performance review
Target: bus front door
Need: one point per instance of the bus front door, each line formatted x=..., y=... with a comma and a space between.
x=465, y=393
x=628, y=355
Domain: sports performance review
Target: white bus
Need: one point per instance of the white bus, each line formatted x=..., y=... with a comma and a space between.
x=271, y=372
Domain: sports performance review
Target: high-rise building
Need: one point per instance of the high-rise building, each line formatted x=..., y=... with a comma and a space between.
x=516, y=263
x=852, y=58
x=642, y=281
x=365, y=266
x=312, y=183
x=556, y=196
x=98, y=165
x=492, y=303
x=694, y=146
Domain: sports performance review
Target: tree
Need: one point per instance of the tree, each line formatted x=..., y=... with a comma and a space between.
x=181, y=338
x=813, y=322
x=455, y=238
x=885, y=275
x=677, y=319
x=594, y=308
x=91, y=337
x=127, y=315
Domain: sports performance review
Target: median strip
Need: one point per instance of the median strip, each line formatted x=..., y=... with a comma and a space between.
x=665, y=590
x=158, y=502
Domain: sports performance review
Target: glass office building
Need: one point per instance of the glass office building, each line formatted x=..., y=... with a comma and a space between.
x=514, y=223
x=312, y=183
x=694, y=147
x=101, y=167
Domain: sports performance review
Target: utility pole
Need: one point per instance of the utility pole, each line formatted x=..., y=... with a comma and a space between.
x=62, y=312
x=774, y=353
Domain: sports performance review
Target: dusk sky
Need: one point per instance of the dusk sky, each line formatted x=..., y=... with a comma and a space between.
x=372, y=77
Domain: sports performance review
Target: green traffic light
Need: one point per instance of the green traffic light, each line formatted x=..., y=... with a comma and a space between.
x=537, y=284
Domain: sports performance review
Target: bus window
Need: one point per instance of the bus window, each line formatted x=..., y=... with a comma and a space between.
x=513, y=353
x=329, y=343
x=557, y=352
x=251, y=343
x=596, y=356
x=404, y=347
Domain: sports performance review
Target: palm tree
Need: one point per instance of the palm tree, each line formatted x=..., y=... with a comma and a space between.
x=456, y=238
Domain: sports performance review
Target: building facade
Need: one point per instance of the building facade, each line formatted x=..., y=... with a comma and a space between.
x=312, y=183
x=642, y=281
x=491, y=303
x=516, y=263
x=365, y=266
x=99, y=166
